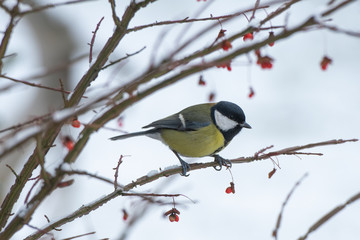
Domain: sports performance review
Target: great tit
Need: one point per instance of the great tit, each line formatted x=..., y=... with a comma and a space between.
x=197, y=131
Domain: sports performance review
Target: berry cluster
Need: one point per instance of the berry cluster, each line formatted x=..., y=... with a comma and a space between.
x=265, y=62
x=226, y=45
x=225, y=65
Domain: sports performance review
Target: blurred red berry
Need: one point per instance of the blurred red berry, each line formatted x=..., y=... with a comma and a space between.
x=265, y=62
x=68, y=143
x=125, y=215
x=174, y=217
x=225, y=65
x=211, y=97
x=230, y=189
x=226, y=45
x=252, y=93
x=271, y=173
x=75, y=123
x=120, y=121
x=325, y=62
x=271, y=35
x=248, y=36
x=201, y=81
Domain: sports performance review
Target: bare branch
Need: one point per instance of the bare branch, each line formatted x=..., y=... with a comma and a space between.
x=278, y=222
x=91, y=44
x=329, y=215
x=37, y=85
x=86, y=209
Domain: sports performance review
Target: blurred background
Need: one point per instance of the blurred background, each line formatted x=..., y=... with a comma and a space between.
x=295, y=103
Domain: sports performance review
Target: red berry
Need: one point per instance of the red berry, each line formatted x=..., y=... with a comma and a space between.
x=264, y=62
x=120, y=121
x=228, y=190
x=75, y=123
x=226, y=45
x=325, y=62
x=225, y=65
x=125, y=215
x=201, y=81
x=68, y=143
x=211, y=97
x=252, y=93
x=271, y=35
x=174, y=217
x=248, y=36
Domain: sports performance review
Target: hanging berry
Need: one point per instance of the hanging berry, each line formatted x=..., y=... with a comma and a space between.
x=226, y=65
x=75, y=122
x=211, y=97
x=125, y=215
x=226, y=45
x=231, y=188
x=201, y=81
x=265, y=62
x=271, y=36
x=248, y=36
x=325, y=62
x=173, y=215
x=251, y=93
x=120, y=121
x=68, y=143
x=271, y=173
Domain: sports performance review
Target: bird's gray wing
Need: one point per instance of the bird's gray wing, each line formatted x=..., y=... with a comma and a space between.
x=186, y=120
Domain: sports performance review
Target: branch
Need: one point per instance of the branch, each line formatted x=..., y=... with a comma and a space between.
x=329, y=215
x=86, y=209
x=274, y=234
x=37, y=85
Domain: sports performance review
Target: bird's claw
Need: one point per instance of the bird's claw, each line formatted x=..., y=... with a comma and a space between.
x=185, y=168
x=221, y=162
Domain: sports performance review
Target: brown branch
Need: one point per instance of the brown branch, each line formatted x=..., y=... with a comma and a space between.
x=123, y=58
x=191, y=20
x=91, y=44
x=37, y=85
x=117, y=172
x=86, y=209
x=329, y=215
x=278, y=222
x=48, y=6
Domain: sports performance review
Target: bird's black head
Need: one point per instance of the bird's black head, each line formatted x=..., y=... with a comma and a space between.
x=229, y=118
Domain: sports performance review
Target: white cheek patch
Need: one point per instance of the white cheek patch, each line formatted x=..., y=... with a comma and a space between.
x=182, y=119
x=223, y=122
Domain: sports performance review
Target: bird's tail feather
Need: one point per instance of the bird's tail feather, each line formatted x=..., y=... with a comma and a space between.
x=129, y=135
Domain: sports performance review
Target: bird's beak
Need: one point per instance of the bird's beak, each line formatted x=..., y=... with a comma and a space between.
x=245, y=125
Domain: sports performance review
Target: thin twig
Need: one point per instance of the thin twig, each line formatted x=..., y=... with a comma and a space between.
x=329, y=215
x=278, y=222
x=91, y=44
x=117, y=172
x=48, y=6
x=36, y=85
x=123, y=58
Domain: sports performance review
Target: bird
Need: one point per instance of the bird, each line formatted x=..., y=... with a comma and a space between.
x=197, y=131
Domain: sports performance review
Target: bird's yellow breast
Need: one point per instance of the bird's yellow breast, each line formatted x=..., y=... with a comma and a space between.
x=198, y=143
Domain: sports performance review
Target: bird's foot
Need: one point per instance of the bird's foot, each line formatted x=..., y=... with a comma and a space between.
x=222, y=162
x=185, y=168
